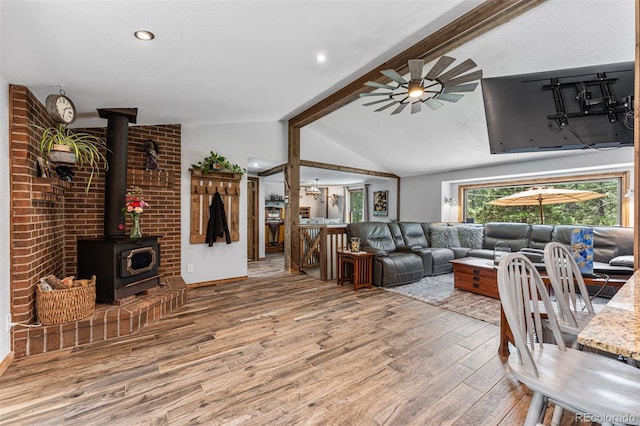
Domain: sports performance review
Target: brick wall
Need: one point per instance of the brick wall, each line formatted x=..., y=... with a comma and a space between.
x=48, y=216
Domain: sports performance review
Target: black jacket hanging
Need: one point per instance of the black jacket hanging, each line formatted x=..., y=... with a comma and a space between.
x=217, y=225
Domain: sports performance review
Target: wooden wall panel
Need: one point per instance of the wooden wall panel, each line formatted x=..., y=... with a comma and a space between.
x=203, y=188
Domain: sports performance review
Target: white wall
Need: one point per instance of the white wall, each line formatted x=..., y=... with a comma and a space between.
x=423, y=196
x=392, y=199
x=315, y=147
x=266, y=140
x=5, y=202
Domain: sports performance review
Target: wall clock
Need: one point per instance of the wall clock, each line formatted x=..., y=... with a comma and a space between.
x=61, y=109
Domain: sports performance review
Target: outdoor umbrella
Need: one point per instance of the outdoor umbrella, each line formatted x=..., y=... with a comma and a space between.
x=541, y=195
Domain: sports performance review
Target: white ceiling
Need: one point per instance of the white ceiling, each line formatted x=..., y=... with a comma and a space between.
x=254, y=61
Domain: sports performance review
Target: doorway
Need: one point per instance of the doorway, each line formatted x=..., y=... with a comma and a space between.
x=253, y=219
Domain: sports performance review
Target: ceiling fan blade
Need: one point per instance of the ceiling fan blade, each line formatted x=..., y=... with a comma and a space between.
x=433, y=104
x=379, y=85
x=415, y=68
x=476, y=75
x=461, y=88
x=375, y=102
x=416, y=107
x=450, y=97
x=457, y=70
x=393, y=75
x=439, y=66
x=383, y=107
x=364, y=95
x=400, y=108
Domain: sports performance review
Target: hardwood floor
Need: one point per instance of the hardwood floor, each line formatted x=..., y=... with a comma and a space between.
x=282, y=349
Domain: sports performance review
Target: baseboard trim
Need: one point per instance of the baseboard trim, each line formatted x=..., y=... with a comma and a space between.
x=6, y=362
x=215, y=282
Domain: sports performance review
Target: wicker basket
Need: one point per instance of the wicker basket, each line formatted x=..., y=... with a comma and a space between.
x=60, y=306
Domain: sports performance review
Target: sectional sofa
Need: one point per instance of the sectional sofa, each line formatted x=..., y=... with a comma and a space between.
x=405, y=252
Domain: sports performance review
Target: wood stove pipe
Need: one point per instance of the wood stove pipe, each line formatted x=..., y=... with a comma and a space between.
x=116, y=177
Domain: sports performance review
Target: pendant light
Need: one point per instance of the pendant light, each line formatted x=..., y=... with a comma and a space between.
x=313, y=191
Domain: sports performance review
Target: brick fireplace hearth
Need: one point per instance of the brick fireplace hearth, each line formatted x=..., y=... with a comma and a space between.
x=49, y=216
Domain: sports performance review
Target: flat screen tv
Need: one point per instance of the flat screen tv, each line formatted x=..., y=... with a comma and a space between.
x=579, y=108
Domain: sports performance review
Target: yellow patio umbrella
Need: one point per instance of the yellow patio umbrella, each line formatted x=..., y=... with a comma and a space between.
x=542, y=195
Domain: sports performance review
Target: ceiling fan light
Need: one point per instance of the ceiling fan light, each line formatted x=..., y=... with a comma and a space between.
x=415, y=89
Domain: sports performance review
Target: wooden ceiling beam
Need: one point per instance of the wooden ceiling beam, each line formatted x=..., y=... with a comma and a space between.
x=273, y=171
x=483, y=18
x=347, y=169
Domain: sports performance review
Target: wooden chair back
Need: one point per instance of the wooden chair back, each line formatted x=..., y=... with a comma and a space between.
x=564, y=274
x=521, y=289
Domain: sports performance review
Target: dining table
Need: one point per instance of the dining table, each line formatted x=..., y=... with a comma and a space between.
x=616, y=328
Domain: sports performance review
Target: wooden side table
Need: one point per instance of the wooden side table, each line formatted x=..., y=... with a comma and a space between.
x=362, y=267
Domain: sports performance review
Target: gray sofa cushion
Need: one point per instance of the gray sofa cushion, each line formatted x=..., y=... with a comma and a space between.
x=396, y=234
x=426, y=227
x=374, y=235
x=440, y=261
x=516, y=235
x=444, y=236
x=414, y=235
x=396, y=268
x=540, y=236
x=483, y=253
x=470, y=236
x=626, y=261
x=610, y=242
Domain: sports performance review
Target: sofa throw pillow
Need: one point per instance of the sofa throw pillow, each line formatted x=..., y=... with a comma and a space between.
x=622, y=261
x=444, y=236
x=470, y=236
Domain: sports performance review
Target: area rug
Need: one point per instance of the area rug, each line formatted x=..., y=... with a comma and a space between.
x=438, y=290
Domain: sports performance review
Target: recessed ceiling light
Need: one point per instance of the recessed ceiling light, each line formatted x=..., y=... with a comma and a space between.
x=321, y=58
x=144, y=35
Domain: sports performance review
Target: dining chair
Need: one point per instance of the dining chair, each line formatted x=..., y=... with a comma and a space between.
x=564, y=275
x=592, y=386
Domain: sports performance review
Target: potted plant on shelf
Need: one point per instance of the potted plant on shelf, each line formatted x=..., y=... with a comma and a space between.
x=62, y=146
x=214, y=163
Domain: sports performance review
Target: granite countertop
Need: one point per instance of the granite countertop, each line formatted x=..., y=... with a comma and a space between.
x=616, y=329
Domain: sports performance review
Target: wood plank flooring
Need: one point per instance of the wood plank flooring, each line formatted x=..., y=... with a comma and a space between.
x=277, y=349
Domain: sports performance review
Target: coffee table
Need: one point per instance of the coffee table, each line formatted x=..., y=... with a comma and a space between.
x=476, y=275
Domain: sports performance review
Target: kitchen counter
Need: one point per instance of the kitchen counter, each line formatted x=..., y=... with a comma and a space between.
x=616, y=329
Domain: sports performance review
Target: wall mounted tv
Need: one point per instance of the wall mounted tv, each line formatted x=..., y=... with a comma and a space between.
x=577, y=108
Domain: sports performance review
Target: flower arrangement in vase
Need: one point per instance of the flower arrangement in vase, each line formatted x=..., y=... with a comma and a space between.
x=135, y=205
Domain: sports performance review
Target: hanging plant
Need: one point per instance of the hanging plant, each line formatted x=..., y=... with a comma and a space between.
x=81, y=149
x=215, y=163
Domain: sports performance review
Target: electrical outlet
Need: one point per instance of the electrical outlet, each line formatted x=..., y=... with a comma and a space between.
x=9, y=325
x=189, y=267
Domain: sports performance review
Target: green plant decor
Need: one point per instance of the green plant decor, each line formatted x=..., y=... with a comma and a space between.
x=217, y=162
x=89, y=149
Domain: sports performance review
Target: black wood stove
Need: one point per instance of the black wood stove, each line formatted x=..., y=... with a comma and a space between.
x=122, y=266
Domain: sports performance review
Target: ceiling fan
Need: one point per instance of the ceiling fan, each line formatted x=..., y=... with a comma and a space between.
x=437, y=85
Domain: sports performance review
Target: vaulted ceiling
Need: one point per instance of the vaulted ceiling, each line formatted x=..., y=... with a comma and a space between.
x=254, y=61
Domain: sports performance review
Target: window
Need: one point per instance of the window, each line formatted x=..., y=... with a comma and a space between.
x=605, y=211
x=356, y=198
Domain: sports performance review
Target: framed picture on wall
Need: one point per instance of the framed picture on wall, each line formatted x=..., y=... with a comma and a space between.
x=380, y=203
